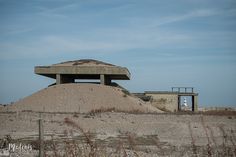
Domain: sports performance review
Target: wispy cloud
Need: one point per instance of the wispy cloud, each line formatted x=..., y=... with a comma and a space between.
x=187, y=16
x=138, y=33
x=16, y=30
x=114, y=41
x=56, y=12
x=178, y=17
x=97, y=41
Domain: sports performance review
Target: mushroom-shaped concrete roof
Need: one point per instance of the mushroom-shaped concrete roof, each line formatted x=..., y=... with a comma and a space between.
x=83, y=62
x=83, y=69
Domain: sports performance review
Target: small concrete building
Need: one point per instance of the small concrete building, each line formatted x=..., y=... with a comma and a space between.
x=171, y=100
x=68, y=72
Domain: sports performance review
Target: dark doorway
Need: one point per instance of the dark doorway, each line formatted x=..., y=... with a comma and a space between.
x=185, y=103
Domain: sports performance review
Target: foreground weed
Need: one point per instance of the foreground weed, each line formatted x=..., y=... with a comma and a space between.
x=209, y=149
x=194, y=148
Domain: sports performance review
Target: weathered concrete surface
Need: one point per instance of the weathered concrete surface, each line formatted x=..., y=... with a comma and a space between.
x=67, y=72
x=195, y=102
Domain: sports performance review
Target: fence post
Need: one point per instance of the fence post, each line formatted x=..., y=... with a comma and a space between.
x=41, y=135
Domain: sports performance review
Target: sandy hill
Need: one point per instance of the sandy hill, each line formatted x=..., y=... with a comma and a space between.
x=81, y=98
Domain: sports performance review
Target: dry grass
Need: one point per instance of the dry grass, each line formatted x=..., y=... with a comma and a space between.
x=158, y=145
x=213, y=138
x=92, y=145
x=194, y=148
x=88, y=146
x=219, y=112
x=75, y=148
x=129, y=147
x=102, y=110
x=209, y=149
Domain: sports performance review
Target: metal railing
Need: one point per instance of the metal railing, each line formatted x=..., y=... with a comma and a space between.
x=183, y=89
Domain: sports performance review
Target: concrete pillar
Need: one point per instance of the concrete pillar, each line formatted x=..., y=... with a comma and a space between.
x=179, y=101
x=58, y=79
x=102, y=79
x=195, y=103
x=105, y=80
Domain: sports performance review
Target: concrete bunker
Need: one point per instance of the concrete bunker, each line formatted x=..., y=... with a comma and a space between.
x=171, y=100
x=186, y=92
x=85, y=69
x=88, y=69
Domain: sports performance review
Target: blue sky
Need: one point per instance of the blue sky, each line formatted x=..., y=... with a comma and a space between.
x=163, y=43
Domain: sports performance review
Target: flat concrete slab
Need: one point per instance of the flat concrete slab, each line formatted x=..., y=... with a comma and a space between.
x=84, y=69
x=172, y=92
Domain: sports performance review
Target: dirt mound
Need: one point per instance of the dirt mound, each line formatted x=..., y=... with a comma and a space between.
x=82, y=98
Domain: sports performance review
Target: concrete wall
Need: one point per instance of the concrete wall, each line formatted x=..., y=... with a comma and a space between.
x=168, y=102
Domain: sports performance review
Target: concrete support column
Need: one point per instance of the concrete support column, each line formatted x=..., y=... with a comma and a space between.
x=105, y=80
x=179, y=101
x=195, y=103
x=58, y=79
x=102, y=79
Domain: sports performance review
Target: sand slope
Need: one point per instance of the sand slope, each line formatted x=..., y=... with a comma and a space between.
x=80, y=98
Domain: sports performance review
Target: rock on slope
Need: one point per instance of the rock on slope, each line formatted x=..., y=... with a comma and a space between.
x=82, y=98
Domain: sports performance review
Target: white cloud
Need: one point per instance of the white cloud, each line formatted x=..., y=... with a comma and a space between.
x=15, y=30
x=176, y=17
x=114, y=41
x=138, y=33
x=56, y=12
